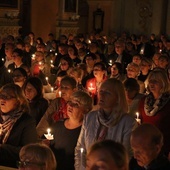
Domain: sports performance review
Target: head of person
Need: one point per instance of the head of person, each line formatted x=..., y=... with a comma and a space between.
x=163, y=61
x=41, y=47
x=33, y=88
x=63, y=49
x=27, y=47
x=116, y=69
x=112, y=96
x=65, y=63
x=9, y=47
x=131, y=88
x=158, y=82
x=76, y=73
x=39, y=56
x=145, y=65
x=146, y=143
x=36, y=157
x=20, y=45
x=93, y=47
x=72, y=51
x=12, y=98
x=133, y=70
x=90, y=59
x=19, y=76
x=67, y=87
x=155, y=59
x=99, y=70
x=63, y=39
x=137, y=59
x=80, y=103
x=107, y=155
x=17, y=56
x=119, y=46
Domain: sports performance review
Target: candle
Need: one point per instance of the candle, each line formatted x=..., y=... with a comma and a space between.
x=137, y=118
x=59, y=93
x=81, y=158
x=160, y=51
x=9, y=71
x=52, y=89
x=49, y=136
x=3, y=59
x=110, y=62
x=33, y=56
x=89, y=41
x=55, y=54
x=46, y=79
x=142, y=51
x=51, y=50
x=91, y=87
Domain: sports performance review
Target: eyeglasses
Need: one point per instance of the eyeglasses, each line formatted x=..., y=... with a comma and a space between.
x=73, y=104
x=24, y=164
x=6, y=97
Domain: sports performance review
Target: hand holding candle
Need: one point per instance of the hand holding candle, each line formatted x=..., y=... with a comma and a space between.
x=137, y=118
x=49, y=136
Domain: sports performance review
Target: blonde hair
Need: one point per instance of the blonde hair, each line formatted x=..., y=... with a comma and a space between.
x=84, y=99
x=118, y=89
x=39, y=153
x=161, y=76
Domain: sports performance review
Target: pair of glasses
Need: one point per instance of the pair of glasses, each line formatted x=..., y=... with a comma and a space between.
x=24, y=164
x=6, y=97
x=72, y=104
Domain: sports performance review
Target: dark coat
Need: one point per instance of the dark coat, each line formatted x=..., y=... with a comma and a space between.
x=22, y=133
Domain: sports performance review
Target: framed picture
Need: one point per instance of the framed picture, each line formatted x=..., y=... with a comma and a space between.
x=70, y=6
x=8, y=3
x=98, y=17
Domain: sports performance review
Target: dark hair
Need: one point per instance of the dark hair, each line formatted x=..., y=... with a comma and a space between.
x=61, y=74
x=101, y=65
x=116, y=150
x=22, y=71
x=19, y=52
x=131, y=84
x=119, y=67
x=69, y=80
x=74, y=48
x=68, y=59
x=92, y=55
x=37, y=84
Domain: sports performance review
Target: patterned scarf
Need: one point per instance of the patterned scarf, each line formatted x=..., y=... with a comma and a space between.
x=61, y=113
x=152, y=106
x=106, y=122
x=7, y=122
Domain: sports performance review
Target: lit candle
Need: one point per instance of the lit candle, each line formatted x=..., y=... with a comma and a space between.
x=110, y=62
x=49, y=136
x=137, y=118
x=3, y=59
x=51, y=50
x=9, y=71
x=55, y=54
x=81, y=158
x=33, y=56
x=89, y=41
x=52, y=89
x=160, y=51
x=142, y=51
x=91, y=87
x=46, y=79
x=59, y=93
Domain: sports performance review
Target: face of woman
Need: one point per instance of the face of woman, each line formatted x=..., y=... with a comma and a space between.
x=145, y=67
x=98, y=72
x=8, y=101
x=66, y=91
x=107, y=97
x=64, y=65
x=75, y=109
x=154, y=86
x=30, y=91
x=18, y=78
x=114, y=70
x=100, y=160
x=132, y=72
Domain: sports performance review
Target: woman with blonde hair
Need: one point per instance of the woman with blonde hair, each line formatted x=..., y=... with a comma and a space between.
x=154, y=107
x=109, y=121
x=17, y=127
x=37, y=156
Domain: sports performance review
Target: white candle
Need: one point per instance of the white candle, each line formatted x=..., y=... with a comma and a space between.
x=91, y=87
x=81, y=158
x=46, y=79
x=49, y=136
x=9, y=71
x=52, y=89
x=137, y=118
x=160, y=50
x=3, y=59
x=33, y=56
x=55, y=54
x=110, y=62
x=59, y=93
x=48, y=131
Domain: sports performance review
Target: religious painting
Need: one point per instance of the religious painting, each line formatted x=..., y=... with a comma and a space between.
x=70, y=6
x=9, y=3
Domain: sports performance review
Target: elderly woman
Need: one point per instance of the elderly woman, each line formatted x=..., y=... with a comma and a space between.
x=36, y=156
x=110, y=154
x=17, y=127
x=154, y=108
x=110, y=121
x=67, y=132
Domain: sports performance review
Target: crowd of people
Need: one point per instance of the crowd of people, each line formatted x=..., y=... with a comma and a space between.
x=85, y=102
